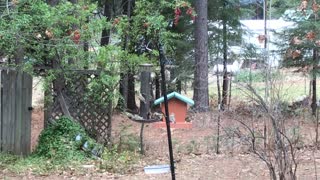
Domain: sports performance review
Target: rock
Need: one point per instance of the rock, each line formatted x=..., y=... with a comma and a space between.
x=88, y=166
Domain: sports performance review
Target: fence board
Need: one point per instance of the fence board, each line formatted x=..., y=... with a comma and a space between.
x=12, y=119
x=6, y=111
x=17, y=112
x=1, y=111
x=27, y=102
x=15, y=117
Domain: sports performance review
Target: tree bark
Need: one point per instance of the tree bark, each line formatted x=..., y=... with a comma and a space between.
x=225, y=82
x=123, y=88
x=19, y=54
x=145, y=78
x=201, y=93
x=131, y=105
x=179, y=86
x=157, y=84
x=53, y=2
x=314, y=83
x=106, y=32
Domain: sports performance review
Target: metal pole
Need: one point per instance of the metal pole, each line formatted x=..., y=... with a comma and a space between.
x=164, y=92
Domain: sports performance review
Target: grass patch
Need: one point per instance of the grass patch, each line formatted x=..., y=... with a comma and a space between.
x=288, y=87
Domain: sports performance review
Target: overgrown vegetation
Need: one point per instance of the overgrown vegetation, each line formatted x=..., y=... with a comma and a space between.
x=65, y=145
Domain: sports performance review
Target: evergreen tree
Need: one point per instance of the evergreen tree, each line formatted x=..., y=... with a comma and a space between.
x=201, y=93
x=226, y=31
x=302, y=42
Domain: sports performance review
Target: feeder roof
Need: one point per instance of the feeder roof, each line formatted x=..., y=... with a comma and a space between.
x=175, y=95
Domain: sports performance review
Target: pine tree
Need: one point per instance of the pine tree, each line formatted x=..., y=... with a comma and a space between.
x=224, y=21
x=201, y=93
x=302, y=42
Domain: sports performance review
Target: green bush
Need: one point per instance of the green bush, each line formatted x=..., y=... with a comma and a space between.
x=61, y=148
x=58, y=142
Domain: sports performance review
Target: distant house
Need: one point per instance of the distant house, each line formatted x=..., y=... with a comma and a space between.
x=255, y=36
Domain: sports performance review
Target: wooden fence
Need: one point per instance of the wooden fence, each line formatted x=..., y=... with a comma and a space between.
x=72, y=100
x=15, y=111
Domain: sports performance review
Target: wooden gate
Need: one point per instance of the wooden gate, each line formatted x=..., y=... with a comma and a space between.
x=15, y=111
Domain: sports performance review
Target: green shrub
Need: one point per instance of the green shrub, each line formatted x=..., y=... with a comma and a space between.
x=58, y=142
x=59, y=149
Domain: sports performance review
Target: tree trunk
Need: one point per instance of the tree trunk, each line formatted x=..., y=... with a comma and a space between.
x=225, y=82
x=314, y=83
x=172, y=86
x=145, y=79
x=19, y=54
x=52, y=2
x=86, y=49
x=106, y=32
x=131, y=105
x=123, y=88
x=201, y=94
x=157, y=83
x=179, y=86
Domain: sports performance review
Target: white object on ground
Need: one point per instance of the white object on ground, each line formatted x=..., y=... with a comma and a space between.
x=157, y=169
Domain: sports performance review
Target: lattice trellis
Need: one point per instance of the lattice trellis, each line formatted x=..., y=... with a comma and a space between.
x=88, y=112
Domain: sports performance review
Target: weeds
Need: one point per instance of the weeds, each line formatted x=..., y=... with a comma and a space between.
x=193, y=147
x=118, y=161
x=127, y=140
x=66, y=146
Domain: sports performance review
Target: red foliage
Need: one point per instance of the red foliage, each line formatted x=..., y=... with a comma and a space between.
x=76, y=37
x=177, y=14
x=311, y=35
x=116, y=21
x=145, y=25
x=189, y=11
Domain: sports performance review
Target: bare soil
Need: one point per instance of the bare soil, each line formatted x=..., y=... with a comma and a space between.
x=194, y=149
x=194, y=153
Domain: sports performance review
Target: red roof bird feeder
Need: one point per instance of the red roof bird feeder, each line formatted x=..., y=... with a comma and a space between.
x=178, y=107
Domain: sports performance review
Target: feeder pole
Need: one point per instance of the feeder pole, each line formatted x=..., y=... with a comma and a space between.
x=164, y=92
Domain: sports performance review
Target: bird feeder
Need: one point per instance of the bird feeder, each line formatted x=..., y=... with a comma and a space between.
x=178, y=107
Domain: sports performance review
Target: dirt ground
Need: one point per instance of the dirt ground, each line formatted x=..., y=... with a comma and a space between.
x=194, y=149
x=194, y=155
